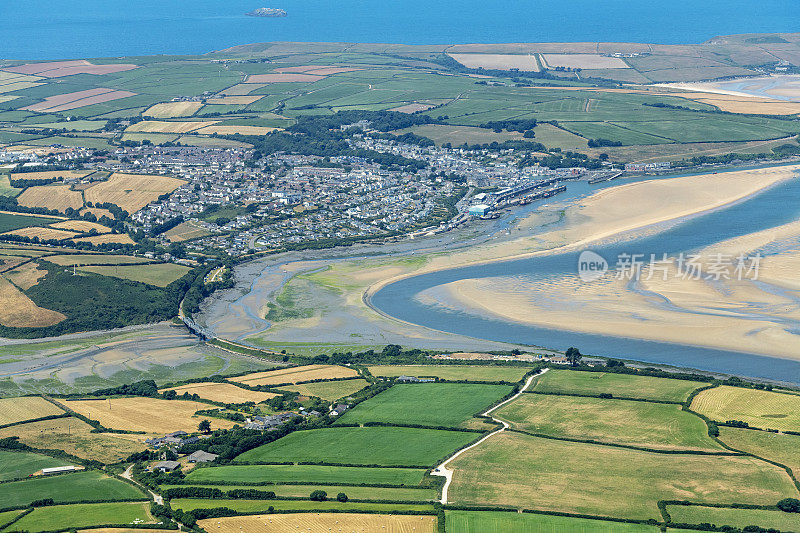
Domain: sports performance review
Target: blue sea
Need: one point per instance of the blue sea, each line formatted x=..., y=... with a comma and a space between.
x=49, y=29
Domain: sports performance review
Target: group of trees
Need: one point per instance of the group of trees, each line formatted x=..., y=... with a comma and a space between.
x=520, y=125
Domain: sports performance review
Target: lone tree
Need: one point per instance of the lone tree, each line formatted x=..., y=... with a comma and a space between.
x=573, y=355
x=204, y=426
x=789, y=505
x=342, y=497
x=318, y=496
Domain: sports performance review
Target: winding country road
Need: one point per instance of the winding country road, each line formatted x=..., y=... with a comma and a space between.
x=447, y=473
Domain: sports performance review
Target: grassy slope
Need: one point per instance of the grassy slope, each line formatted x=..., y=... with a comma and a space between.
x=453, y=372
x=500, y=522
x=608, y=420
x=430, y=404
x=369, y=446
x=692, y=514
x=14, y=465
x=758, y=408
x=83, y=515
x=554, y=475
x=782, y=448
x=306, y=473
x=80, y=486
x=620, y=385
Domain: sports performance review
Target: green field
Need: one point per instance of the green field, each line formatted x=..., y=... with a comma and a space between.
x=778, y=447
x=80, y=486
x=254, y=506
x=653, y=425
x=9, y=222
x=389, y=446
x=453, y=372
x=15, y=465
x=430, y=404
x=306, y=473
x=8, y=516
x=758, y=408
x=740, y=518
x=159, y=274
x=83, y=515
x=329, y=390
x=353, y=492
x=553, y=475
x=505, y=522
x=619, y=385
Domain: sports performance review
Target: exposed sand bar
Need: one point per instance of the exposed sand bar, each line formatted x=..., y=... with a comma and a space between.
x=615, y=211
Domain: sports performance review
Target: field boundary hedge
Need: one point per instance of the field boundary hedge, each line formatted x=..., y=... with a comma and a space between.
x=30, y=421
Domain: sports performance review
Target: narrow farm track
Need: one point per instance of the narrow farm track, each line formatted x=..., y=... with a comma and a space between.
x=447, y=473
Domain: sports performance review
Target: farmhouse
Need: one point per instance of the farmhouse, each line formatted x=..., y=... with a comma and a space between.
x=201, y=457
x=269, y=422
x=413, y=379
x=339, y=409
x=166, y=466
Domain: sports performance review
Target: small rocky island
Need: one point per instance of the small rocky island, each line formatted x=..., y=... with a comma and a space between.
x=267, y=12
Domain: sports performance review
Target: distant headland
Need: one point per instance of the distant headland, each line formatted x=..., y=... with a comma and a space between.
x=267, y=12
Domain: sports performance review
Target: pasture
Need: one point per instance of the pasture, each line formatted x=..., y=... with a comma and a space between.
x=619, y=385
x=501, y=522
x=254, y=506
x=429, y=404
x=79, y=515
x=65, y=488
x=362, y=446
x=761, y=409
x=458, y=135
x=306, y=474
x=10, y=221
x=778, y=447
x=55, y=197
x=296, y=374
x=157, y=274
x=602, y=480
x=131, y=192
x=74, y=436
x=651, y=425
x=13, y=410
x=185, y=231
x=453, y=372
x=329, y=390
x=583, y=61
x=17, y=465
x=738, y=518
x=151, y=415
x=321, y=523
x=222, y=392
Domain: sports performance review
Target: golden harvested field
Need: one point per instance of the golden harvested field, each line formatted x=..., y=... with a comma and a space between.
x=25, y=408
x=58, y=197
x=185, y=231
x=131, y=192
x=761, y=409
x=329, y=390
x=231, y=130
x=74, y=436
x=173, y=109
x=499, y=61
x=95, y=259
x=81, y=226
x=583, y=61
x=50, y=174
x=223, y=392
x=25, y=276
x=296, y=374
x=151, y=415
x=121, y=238
x=236, y=100
x=17, y=310
x=43, y=233
x=155, y=126
x=321, y=523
